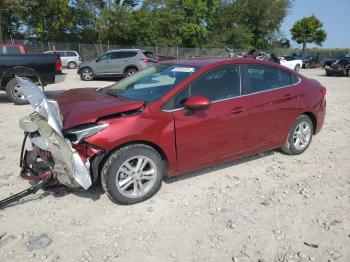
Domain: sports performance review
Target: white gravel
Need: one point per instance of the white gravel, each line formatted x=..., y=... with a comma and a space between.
x=261, y=208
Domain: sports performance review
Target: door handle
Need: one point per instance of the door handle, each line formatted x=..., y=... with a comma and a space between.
x=289, y=96
x=237, y=110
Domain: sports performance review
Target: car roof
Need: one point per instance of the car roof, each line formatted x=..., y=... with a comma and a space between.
x=202, y=62
x=130, y=49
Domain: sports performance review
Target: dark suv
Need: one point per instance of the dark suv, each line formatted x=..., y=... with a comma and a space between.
x=338, y=67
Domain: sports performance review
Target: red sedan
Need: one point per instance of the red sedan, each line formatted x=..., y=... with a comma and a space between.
x=182, y=115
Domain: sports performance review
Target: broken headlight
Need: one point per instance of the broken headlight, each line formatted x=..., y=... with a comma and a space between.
x=77, y=134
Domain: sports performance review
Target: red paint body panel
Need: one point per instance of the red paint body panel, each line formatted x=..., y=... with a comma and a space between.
x=210, y=134
x=227, y=130
x=82, y=106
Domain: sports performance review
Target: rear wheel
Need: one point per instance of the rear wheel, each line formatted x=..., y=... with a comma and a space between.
x=132, y=174
x=130, y=72
x=86, y=74
x=299, y=136
x=72, y=65
x=14, y=92
x=307, y=65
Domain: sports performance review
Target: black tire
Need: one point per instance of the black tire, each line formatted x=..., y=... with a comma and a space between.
x=86, y=74
x=14, y=94
x=130, y=71
x=290, y=147
x=307, y=65
x=328, y=73
x=116, y=160
x=71, y=65
x=297, y=68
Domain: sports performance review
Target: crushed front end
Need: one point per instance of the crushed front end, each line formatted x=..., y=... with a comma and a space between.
x=51, y=154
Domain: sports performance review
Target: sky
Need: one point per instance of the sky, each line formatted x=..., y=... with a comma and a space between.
x=334, y=14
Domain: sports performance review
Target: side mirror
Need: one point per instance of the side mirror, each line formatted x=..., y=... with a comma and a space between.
x=197, y=103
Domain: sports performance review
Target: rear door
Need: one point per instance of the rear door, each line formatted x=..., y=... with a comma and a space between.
x=206, y=136
x=273, y=99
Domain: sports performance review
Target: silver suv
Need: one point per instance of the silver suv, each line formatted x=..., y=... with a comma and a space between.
x=69, y=59
x=121, y=62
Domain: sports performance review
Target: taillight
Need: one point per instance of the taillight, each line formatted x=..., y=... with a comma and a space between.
x=146, y=60
x=323, y=90
x=58, y=65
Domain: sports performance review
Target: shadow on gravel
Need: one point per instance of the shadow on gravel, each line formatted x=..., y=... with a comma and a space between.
x=203, y=171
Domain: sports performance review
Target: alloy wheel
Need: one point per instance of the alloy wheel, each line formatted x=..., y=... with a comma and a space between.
x=87, y=74
x=302, y=135
x=136, y=176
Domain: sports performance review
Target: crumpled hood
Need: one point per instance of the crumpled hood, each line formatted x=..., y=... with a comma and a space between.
x=86, y=105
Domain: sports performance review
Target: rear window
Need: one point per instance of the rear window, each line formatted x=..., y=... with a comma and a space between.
x=12, y=50
x=9, y=50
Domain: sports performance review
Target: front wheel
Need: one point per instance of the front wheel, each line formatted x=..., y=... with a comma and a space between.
x=86, y=74
x=299, y=136
x=132, y=174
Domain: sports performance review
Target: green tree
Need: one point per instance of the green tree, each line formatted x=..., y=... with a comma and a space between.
x=308, y=30
x=49, y=20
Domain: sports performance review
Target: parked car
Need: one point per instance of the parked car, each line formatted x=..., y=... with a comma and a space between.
x=122, y=62
x=291, y=62
x=308, y=60
x=338, y=67
x=171, y=118
x=70, y=59
x=330, y=61
x=43, y=69
x=11, y=49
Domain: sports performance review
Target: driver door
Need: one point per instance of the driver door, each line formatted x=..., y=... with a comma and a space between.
x=103, y=64
x=206, y=136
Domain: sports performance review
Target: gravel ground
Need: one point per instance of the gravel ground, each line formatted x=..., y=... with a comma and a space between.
x=269, y=207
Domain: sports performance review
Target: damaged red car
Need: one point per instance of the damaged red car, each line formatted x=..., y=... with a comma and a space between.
x=169, y=119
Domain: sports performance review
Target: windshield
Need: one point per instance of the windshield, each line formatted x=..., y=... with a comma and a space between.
x=151, y=83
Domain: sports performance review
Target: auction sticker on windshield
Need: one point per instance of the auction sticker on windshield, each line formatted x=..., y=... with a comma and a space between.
x=183, y=69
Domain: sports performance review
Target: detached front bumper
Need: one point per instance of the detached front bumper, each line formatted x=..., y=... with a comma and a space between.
x=52, y=153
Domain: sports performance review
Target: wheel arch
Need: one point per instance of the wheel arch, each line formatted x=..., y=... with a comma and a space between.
x=20, y=71
x=105, y=157
x=313, y=118
x=131, y=67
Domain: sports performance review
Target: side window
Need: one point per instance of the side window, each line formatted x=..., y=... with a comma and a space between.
x=71, y=54
x=215, y=85
x=126, y=54
x=263, y=78
x=61, y=53
x=106, y=56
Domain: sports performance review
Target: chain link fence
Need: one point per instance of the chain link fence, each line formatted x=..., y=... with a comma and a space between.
x=91, y=51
